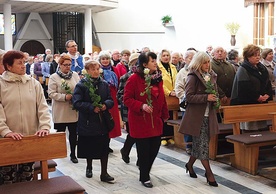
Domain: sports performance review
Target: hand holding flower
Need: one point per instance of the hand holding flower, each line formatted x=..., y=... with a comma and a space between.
x=103, y=108
x=211, y=90
x=97, y=109
x=212, y=97
x=68, y=97
x=147, y=108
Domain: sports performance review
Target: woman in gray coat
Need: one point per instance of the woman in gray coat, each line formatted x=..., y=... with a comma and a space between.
x=200, y=118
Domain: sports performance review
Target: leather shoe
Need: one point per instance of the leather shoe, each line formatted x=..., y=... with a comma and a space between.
x=74, y=160
x=124, y=157
x=147, y=184
x=89, y=173
x=107, y=178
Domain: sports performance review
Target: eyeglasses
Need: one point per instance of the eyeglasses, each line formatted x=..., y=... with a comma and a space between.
x=67, y=65
x=73, y=46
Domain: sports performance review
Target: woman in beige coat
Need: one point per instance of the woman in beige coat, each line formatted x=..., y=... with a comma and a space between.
x=60, y=88
x=23, y=111
x=200, y=119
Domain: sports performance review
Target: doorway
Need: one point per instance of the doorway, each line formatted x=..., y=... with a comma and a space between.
x=33, y=47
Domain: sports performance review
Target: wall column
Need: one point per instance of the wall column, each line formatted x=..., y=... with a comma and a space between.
x=255, y=24
x=88, y=30
x=261, y=24
x=7, y=27
x=270, y=18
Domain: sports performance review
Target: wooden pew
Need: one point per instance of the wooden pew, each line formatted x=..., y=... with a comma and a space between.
x=34, y=148
x=246, y=146
x=173, y=105
x=213, y=144
x=37, y=168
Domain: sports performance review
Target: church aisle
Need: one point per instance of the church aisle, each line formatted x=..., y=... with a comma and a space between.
x=168, y=175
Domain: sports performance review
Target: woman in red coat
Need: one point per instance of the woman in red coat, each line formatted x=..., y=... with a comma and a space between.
x=147, y=111
x=111, y=76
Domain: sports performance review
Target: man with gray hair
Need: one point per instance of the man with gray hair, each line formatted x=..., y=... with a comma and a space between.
x=175, y=60
x=47, y=52
x=225, y=74
x=179, y=88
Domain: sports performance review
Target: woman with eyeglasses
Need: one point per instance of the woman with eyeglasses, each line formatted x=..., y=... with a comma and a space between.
x=60, y=89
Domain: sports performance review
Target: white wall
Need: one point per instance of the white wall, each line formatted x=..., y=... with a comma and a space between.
x=136, y=24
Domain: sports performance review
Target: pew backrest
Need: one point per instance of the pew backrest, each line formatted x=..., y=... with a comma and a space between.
x=250, y=112
x=33, y=148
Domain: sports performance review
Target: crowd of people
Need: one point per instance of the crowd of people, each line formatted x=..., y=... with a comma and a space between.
x=82, y=88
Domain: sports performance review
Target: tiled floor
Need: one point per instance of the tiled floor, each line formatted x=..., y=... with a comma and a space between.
x=168, y=175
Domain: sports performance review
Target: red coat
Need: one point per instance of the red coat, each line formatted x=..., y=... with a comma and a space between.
x=139, y=121
x=122, y=70
x=116, y=131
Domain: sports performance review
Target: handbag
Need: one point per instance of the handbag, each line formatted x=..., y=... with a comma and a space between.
x=183, y=103
x=108, y=120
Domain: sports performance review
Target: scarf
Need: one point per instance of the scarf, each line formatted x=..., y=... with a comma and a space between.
x=155, y=77
x=13, y=77
x=75, y=57
x=259, y=71
x=109, y=76
x=65, y=76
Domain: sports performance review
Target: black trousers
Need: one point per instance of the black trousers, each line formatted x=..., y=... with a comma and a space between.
x=147, y=149
x=72, y=127
x=130, y=141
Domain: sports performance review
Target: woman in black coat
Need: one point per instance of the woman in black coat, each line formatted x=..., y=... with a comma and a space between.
x=251, y=84
x=93, y=142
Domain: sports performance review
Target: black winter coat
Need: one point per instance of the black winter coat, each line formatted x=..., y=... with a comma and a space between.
x=89, y=122
x=249, y=83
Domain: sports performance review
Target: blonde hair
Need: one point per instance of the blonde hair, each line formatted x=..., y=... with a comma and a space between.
x=198, y=60
x=164, y=51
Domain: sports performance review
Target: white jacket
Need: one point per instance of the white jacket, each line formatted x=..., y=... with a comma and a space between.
x=62, y=111
x=180, y=83
x=23, y=108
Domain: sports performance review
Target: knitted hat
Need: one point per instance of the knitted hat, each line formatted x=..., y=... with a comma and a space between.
x=132, y=58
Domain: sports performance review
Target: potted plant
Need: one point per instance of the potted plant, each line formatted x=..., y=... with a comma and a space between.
x=166, y=19
x=233, y=28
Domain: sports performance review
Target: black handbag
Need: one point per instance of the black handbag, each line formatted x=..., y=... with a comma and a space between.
x=108, y=120
x=183, y=103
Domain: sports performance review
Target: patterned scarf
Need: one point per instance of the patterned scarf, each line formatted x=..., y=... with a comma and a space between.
x=156, y=76
x=65, y=76
x=109, y=76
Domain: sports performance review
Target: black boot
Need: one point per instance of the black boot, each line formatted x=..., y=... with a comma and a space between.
x=89, y=173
